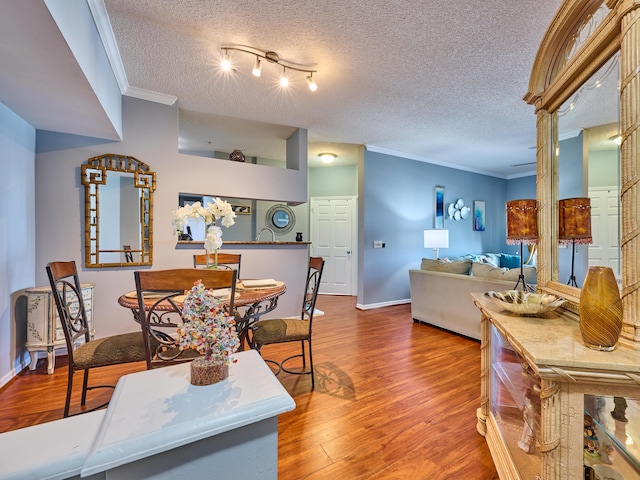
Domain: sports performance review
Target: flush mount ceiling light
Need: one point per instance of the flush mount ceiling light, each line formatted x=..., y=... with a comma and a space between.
x=271, y=57
x=327, y=157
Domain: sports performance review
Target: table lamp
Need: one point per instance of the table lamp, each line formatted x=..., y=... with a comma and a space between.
x=574, y=226
x=436, y=239
x=522, y=227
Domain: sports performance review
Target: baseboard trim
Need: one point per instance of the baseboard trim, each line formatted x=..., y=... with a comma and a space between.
x=13, y=373
x=371, y=306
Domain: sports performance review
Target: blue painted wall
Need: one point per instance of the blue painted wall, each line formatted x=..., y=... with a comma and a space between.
x=397, y=205
x=572, y=183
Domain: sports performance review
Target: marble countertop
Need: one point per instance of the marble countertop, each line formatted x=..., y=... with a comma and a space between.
x=553, y=343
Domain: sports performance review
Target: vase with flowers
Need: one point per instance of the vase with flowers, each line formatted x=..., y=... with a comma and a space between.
x=217, y=210
x=207, y=329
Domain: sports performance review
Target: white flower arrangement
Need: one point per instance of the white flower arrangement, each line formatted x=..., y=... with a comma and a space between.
x=218, y=209
x=206, y=328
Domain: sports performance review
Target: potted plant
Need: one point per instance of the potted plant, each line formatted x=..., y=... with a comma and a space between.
x=207, y=329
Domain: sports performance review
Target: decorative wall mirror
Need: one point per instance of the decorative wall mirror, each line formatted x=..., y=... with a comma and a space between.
x=280, y=219
x=589, y=167
x=584, y=36
x=118, y=206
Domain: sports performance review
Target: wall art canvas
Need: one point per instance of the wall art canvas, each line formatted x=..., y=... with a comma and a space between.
x=478, y=216
x=439, y=210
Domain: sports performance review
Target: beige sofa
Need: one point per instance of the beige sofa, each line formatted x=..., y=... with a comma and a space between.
x=440, y=294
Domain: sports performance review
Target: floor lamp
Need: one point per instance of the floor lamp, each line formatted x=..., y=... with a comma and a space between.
x=522, y=227
x=574, y=227
x=436, y=239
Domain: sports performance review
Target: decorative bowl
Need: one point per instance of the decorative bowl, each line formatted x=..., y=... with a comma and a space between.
x=525, y=303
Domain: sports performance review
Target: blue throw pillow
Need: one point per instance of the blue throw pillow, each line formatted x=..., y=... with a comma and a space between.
x=509, y=261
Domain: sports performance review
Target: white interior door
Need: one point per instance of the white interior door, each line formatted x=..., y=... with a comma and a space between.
x=333, y=238
x=605, y=228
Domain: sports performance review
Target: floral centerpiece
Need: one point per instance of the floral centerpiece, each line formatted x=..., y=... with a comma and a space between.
x=207, y=329
x=218, y=209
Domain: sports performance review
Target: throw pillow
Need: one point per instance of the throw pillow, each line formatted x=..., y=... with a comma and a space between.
x=458, y=266
x=509, y=275
x=509, y=261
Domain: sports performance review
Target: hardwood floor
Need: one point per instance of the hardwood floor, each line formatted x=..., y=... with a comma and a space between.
x=393, y=400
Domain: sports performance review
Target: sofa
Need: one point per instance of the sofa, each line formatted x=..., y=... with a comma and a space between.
x=441, y=288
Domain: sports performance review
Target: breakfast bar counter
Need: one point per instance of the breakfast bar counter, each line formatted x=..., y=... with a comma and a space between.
x=160, y=426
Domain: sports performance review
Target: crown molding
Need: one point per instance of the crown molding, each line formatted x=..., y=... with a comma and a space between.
x=151, y=96
x=101, y=20
x=103, y=25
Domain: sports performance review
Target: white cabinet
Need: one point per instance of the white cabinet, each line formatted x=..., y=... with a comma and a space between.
x=44, y=331
x=547, y=400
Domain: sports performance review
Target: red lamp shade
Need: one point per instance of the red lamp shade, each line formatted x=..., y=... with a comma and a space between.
x=522, y=221
x=574, y=225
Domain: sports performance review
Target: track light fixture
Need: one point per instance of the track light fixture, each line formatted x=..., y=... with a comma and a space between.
x=271, y=57
x=226, y=62
x=257, y=67
x=311, y=83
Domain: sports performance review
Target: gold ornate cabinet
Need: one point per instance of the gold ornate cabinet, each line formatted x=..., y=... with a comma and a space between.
x=44, y=332
x=540, y=384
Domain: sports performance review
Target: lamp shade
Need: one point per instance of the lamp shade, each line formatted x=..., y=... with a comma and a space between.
x=436, y=238
x=522, y=221
x=574, y=222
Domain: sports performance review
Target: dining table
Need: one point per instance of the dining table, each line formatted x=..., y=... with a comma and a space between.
x=253, y=299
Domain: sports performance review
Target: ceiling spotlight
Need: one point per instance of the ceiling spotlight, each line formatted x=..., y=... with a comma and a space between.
x=257, y=67
x=617, y=139
x=312, y=84
x=271, y=57
x=284, y=81
x=226, y=62
x=327, y=157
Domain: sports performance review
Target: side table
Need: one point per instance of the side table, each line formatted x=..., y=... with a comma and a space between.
x=44, y=331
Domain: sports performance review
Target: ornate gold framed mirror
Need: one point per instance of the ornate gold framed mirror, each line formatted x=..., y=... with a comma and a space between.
x=584, y=36
x=118, y=211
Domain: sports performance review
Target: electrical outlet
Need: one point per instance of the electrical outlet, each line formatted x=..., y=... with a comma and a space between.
x=378, y=244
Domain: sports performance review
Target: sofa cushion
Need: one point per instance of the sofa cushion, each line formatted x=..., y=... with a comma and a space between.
x=509, y=261
x=487, y=271
x=458, y=266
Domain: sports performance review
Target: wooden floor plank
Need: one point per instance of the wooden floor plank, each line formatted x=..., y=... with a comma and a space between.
x=393, y=399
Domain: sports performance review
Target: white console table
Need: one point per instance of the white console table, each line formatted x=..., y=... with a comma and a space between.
x=160, y=426
x=44, y=331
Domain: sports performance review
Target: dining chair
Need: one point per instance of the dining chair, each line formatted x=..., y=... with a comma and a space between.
x=85, y=353
x=270, y=331
x=160, y=294
x=128, y=254
x=225, y=260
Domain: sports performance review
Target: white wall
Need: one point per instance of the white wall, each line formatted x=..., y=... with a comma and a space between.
x=150, y=133
x=17, y=237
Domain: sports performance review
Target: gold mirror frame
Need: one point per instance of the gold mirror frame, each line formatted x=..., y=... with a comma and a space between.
x=93, y=175
x=554, y=79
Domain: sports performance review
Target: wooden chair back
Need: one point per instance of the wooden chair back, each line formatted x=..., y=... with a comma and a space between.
x=225, y=260
x=67, y=295
x=160, y=294
x=314, y=275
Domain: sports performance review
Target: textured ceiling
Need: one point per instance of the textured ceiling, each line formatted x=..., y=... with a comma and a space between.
x=434, y=80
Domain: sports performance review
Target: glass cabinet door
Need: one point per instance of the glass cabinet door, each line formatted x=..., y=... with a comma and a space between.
x=515, y=405
x=611, y=437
